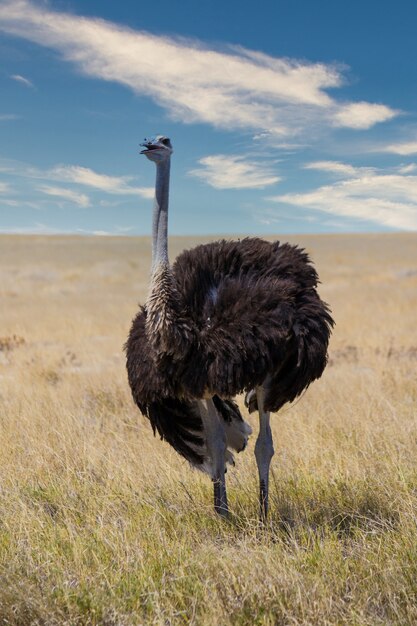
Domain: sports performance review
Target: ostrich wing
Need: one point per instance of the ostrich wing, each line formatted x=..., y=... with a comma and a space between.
x=246, y=333
x=259, y=317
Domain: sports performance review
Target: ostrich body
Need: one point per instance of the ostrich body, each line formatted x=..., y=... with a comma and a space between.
x=228, y=317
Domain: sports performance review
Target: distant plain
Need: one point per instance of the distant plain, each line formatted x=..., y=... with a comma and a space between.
x=101, y=523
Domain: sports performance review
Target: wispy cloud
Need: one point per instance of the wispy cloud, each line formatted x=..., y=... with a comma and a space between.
x=44, y=229
x=5, y=117
x=110, y=184
x=335, y=167
x=118, y=232
x=102, y=233
x=408, y=169
x=362, y=115
x=4, y=188
x=80, y=199
x=34, y=229
x=403, y=149
x=22, y=80
x=388, y=199
x=233, y=88
x=234, y=172
x=77, y=175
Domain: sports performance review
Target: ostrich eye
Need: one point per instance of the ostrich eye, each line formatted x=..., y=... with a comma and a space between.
x=165, y=142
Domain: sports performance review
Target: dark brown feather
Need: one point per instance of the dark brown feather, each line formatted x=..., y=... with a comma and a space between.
x=257, y=319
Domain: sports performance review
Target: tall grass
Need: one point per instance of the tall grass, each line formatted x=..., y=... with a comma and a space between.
x=100, y=523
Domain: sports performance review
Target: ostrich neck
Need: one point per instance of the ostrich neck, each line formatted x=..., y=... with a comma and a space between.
x=167, y=332
x=160, y=216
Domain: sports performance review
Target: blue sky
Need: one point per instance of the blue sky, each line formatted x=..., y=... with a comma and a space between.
x=285, y=116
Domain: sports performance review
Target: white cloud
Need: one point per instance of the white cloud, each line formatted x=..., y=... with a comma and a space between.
x=237, y=88
x=66, y=194
x=362, y=115
x=124, y=229
x=386, y=199
x=4, y=187
x=21, y=79
x=233, y=172
x=408, y=169
x=44, y=229
x=78, y=175
x=332, y=166
x=35, y=229
x=404, y=149
x=90, y=178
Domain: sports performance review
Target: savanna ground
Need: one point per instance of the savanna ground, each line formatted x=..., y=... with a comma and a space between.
x=101, y=523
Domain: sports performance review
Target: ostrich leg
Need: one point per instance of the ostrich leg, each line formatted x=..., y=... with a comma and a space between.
x=216, y=447
x=264, y=451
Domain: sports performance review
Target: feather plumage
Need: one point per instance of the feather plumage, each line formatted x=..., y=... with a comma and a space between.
x=265, y=325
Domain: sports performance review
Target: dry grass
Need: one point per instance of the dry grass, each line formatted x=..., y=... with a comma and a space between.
x=100, y=523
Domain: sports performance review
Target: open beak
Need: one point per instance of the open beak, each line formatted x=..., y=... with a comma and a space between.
x=149, y=146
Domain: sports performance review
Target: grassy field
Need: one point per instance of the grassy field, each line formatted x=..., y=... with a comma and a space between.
x=101, y=523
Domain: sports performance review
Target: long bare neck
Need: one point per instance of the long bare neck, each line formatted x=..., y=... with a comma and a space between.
x=167, y=331
x=160, y=215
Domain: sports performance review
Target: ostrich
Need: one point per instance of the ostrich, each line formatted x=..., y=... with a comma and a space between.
x=228, y=317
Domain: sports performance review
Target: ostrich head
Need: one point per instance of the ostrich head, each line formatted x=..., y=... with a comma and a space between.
x=157, y=149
